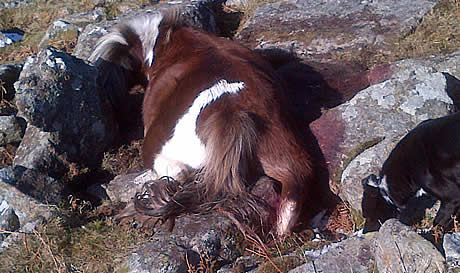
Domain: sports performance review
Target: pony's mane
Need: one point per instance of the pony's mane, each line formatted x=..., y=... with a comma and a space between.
x=137, y=38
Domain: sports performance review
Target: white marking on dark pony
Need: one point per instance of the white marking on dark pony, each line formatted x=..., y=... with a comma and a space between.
x=420, y=193
x=385, y=192
x=147, y=27
x=184, y=148
x=285, y=216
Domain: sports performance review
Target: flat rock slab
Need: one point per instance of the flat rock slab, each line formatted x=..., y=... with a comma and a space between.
x=355, y=254
x=399, y=249
x=340, y=40
x=124, y=187
x=320, y=29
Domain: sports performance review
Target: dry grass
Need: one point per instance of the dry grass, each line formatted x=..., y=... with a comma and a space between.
x=438, y=33
x=125, y=159
x=70, y=244
x=65, y=41
x=35, y=18
x=248, y=9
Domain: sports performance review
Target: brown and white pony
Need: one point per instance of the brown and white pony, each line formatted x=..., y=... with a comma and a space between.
x=211, y=106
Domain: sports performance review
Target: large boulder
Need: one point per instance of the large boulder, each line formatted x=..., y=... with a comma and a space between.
x=58, y=94
x=399, y=249
x=69, y=123
x=332, y=29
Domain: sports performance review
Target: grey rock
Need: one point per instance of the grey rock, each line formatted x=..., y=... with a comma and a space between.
x=39, y=185
x=83, y=18
x=9, y=73
x=358, y=135
x=197, y=13
x=58, y=94
x=331, y=26
x=210, y=237
x=334, y=42
x=27, y=211
x=55, y=29
x=70, y=123
x=123, y=187
x=37, y=151
x=89, y=37
x=9, y=221
x=36, y=158
x=246, y=263
x=11, y=129
x=355, y=254
x=451, y=244
x=399, y=249
x=445, y=63
x=73, y=23
x=102, y=2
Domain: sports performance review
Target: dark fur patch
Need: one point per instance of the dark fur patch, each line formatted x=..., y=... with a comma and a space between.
x=427, y=158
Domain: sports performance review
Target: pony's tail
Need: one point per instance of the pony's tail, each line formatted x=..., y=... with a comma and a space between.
x=231, y=161
x=230, y=166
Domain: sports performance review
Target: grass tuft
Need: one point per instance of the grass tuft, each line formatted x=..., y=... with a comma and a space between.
x=438, y=33
x=70, y=243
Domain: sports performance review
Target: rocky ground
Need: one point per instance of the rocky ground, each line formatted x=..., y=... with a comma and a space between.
x=362, y=73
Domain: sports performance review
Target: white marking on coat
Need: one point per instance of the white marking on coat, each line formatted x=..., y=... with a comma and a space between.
x=184, y=148
x=286, y=216
x=383, y=186
x=420, y=193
